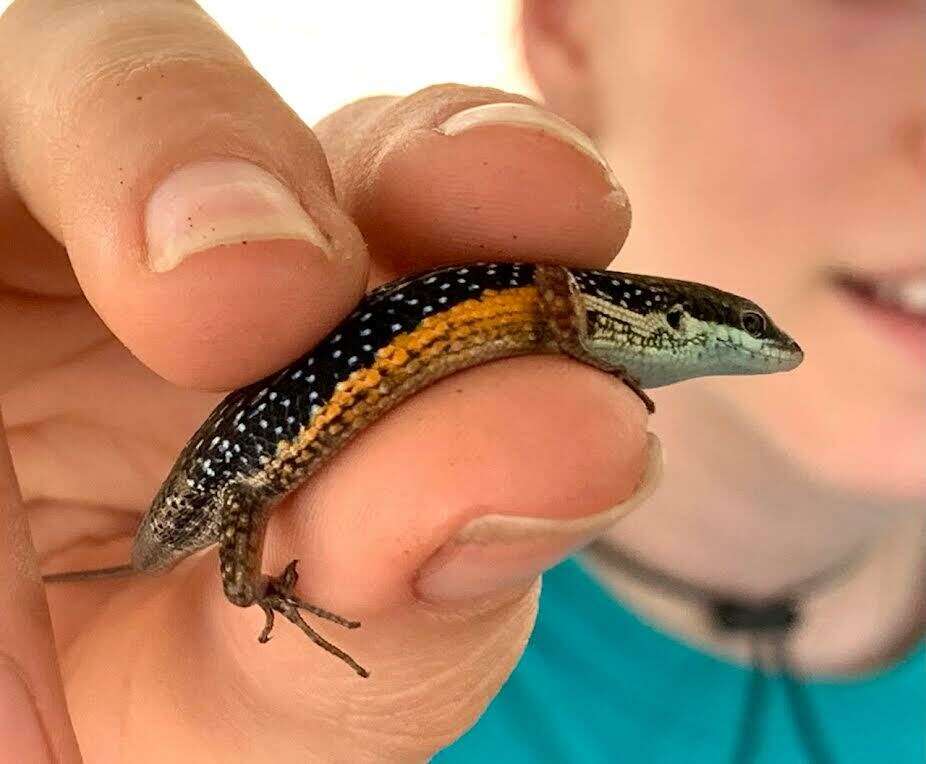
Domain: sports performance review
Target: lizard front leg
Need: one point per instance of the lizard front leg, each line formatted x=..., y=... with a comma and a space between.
x=243, y=522
x=564, y=310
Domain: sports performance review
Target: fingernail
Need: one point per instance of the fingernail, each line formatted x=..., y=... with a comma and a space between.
x=223, y=201
x=20, y=728
x=494, y=553
x=527, y=115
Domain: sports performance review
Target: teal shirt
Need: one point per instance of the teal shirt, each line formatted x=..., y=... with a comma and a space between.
x=597, y=684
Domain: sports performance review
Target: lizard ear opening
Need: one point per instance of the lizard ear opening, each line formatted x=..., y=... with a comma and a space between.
x=674, y=316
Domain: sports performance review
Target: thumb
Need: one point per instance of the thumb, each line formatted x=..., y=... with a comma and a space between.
x=437, y=549
x=34, y=723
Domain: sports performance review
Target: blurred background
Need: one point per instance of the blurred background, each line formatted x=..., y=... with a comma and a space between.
x=341, y=60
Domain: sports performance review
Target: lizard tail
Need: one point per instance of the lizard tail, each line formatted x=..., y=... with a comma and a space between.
x=89, y=575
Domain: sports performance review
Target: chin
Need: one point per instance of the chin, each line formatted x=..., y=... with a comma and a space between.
x=880, y=476
x=879, y=455
x=861, y=439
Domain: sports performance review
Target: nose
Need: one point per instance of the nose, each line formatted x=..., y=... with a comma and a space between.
x=794, y=353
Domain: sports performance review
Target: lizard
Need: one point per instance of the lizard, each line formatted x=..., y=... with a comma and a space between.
x=267, y=438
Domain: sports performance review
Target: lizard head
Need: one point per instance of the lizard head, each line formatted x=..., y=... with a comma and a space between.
x=663, y=330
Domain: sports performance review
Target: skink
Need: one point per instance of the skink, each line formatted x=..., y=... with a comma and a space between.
x=264, y=440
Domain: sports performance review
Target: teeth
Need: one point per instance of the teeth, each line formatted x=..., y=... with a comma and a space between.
x=909, y=294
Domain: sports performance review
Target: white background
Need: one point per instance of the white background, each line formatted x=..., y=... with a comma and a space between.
x=320, y=55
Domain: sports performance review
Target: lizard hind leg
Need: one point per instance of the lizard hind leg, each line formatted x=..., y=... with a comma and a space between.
x=244, y=520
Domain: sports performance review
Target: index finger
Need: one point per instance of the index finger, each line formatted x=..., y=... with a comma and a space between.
x=454, y=172
x=197, y=209
x=34, y=722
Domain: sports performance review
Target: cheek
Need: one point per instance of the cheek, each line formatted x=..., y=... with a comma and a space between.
x=761, y=144
x=853, y=414
x=842, y=431
x=711, y=199
x=875, y=455
x=774, y=148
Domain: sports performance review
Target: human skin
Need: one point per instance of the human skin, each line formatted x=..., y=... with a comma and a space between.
x=764, y=144
x=81, y=409
x=110, y=341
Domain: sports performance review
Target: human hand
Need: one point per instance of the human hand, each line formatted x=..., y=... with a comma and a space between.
x=126, y=291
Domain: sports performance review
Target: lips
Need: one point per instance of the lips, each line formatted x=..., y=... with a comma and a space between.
x=896, y=303
x=906, y=294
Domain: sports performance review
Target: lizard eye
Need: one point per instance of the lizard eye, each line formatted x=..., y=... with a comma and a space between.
x=674, y=316
x=753, y=323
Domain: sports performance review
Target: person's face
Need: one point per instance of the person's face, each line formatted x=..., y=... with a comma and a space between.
x=764, y=145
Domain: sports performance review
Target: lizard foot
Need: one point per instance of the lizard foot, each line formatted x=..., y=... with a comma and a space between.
x=278, y=598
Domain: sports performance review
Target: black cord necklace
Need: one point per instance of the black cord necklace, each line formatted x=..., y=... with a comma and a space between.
x=768, y=623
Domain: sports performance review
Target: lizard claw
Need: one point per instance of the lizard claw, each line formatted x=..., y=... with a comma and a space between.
x=278, y=597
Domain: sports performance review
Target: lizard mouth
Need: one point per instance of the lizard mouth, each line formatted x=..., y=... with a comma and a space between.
x=781, y=354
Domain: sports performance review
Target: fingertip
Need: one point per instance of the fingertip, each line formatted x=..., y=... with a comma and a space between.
x=228, y=275
x=234, y=313
x=530, y=438
x=505, y=179
x=144, y=141
x=494, y=194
